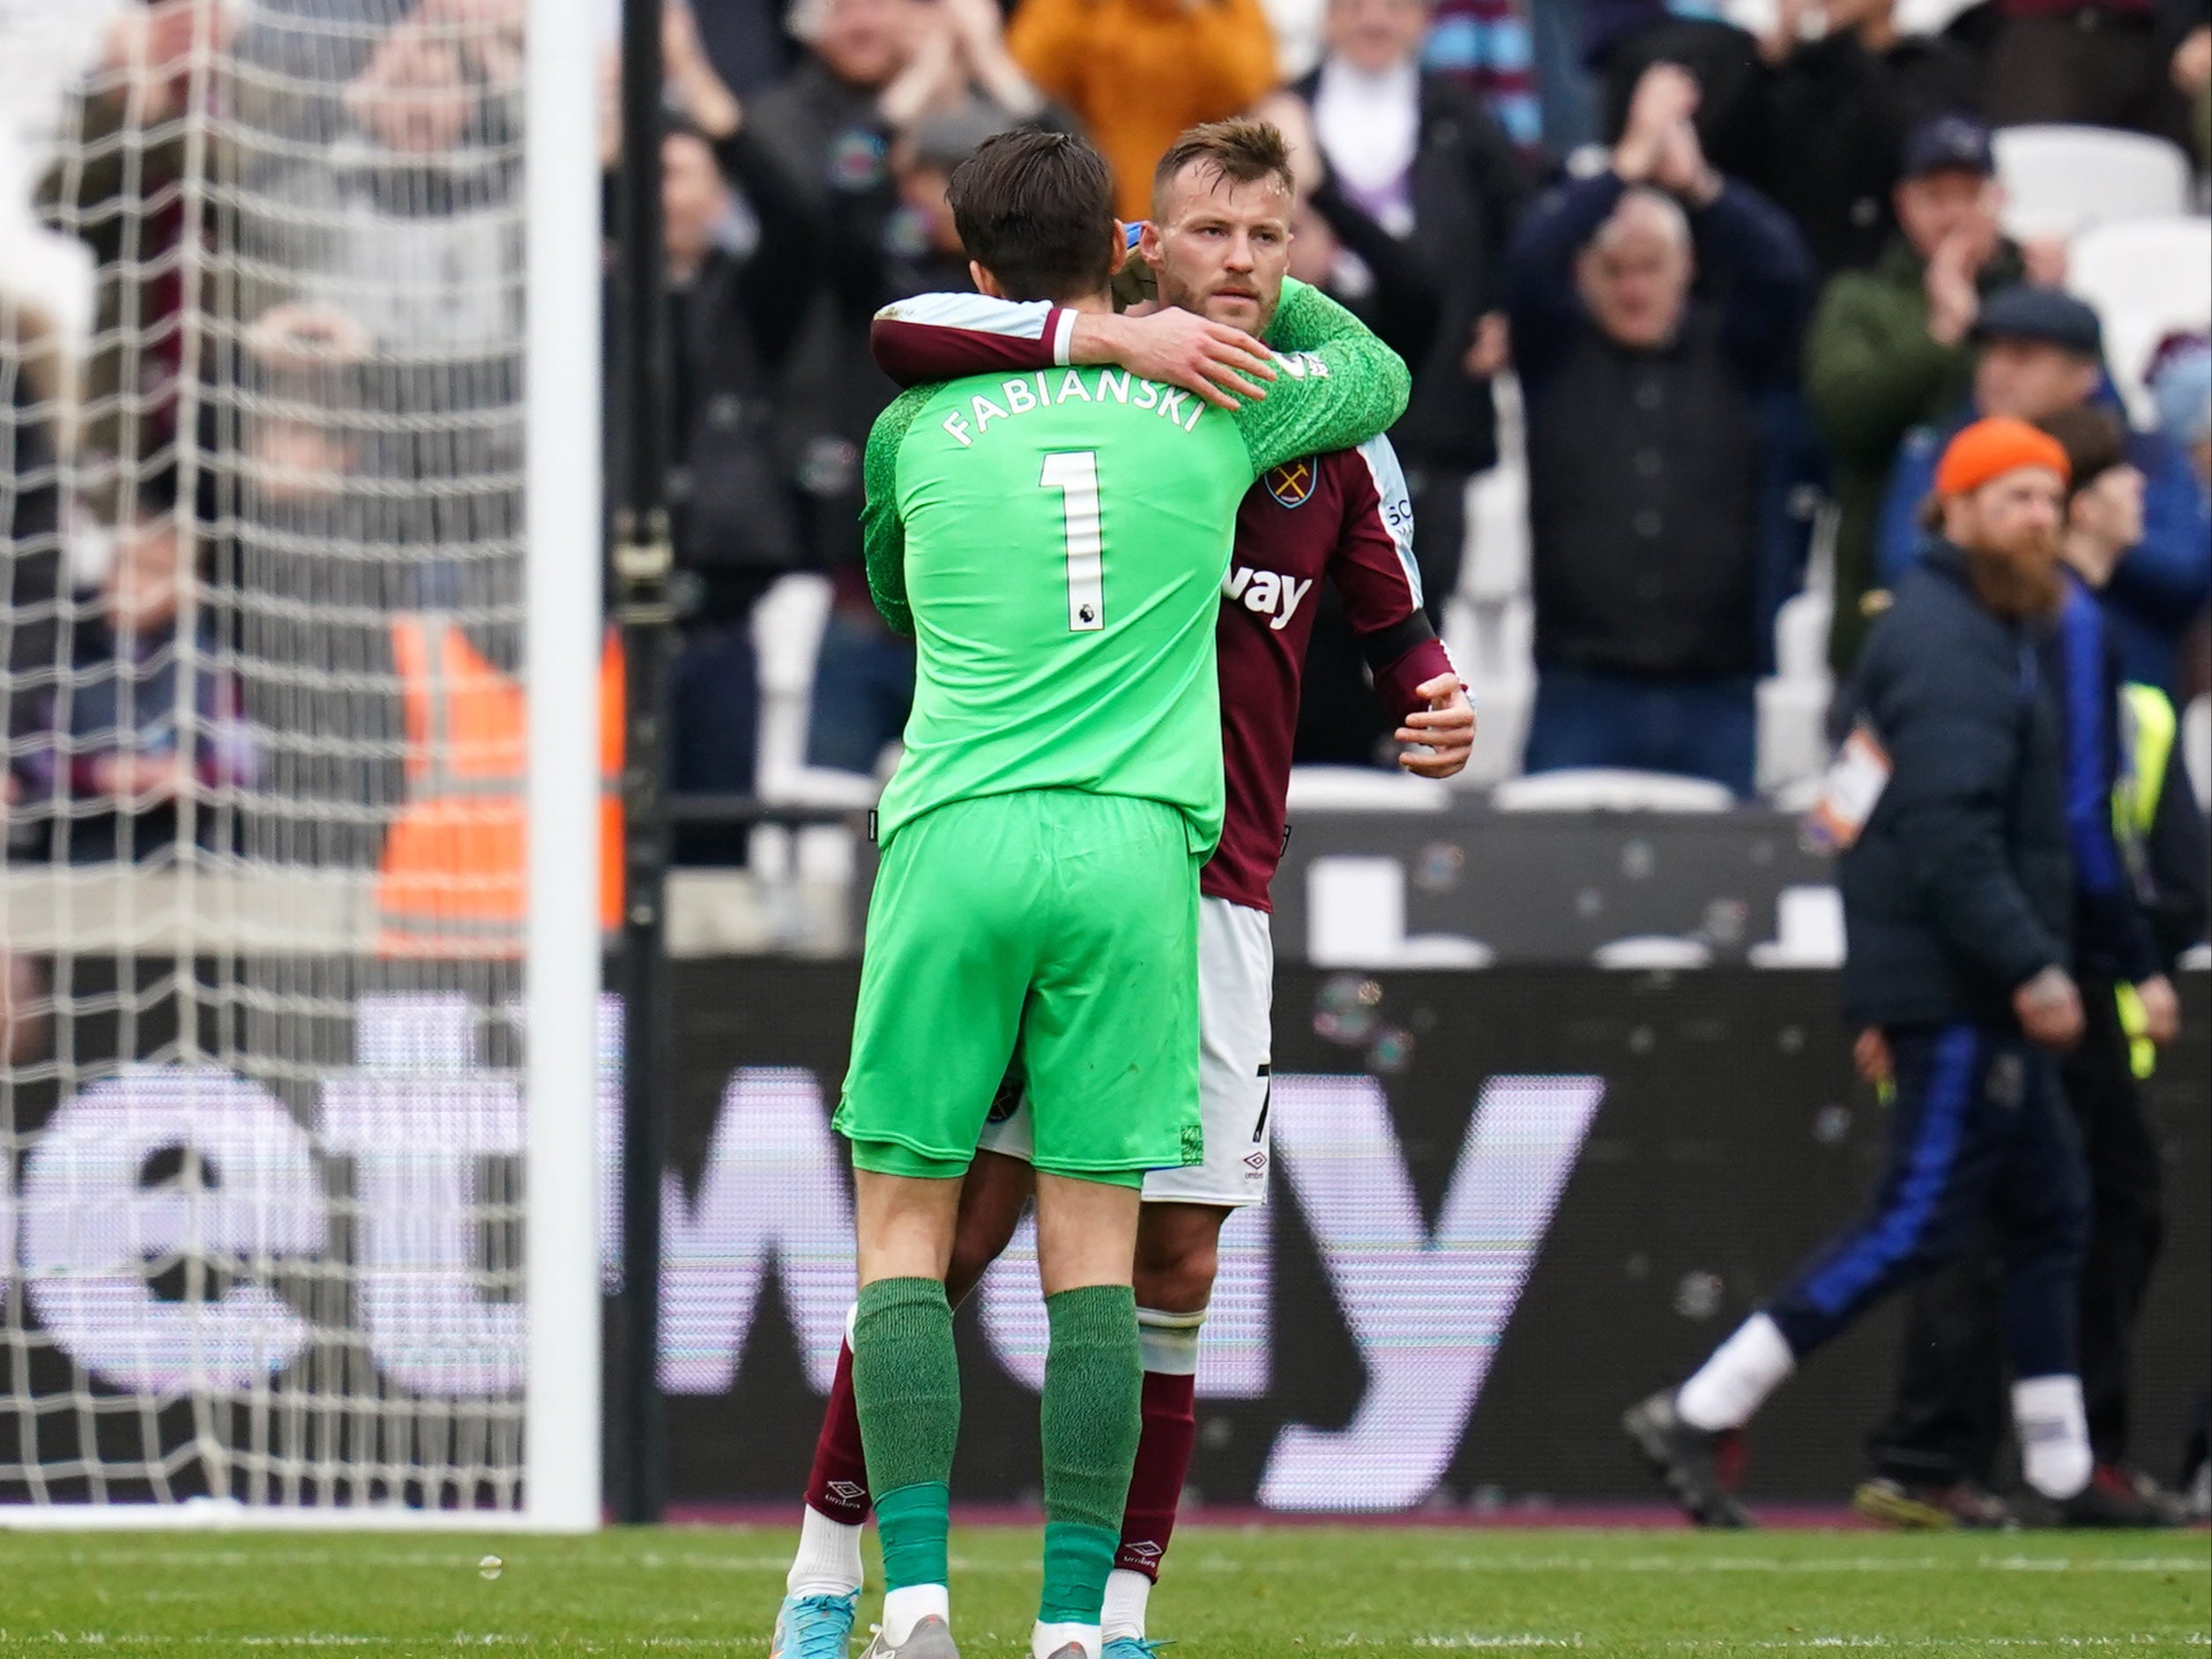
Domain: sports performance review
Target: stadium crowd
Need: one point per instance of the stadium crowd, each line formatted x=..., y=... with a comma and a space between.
x=1696, y=300
x=1692, y=296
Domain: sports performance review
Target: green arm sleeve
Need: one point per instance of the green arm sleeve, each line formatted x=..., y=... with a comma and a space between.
x=882, y=533
x=1337, y=385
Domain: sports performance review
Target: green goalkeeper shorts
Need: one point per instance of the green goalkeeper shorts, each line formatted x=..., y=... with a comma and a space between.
x=1052, y=926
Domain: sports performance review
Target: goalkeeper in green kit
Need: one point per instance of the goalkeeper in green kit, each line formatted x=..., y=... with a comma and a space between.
x=1055, y=542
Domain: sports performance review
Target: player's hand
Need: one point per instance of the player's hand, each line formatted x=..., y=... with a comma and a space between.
x=1439, y=740
x=2049, y=1009
x=1217, y=363
x=1870, y=1054
x=2161, y=1009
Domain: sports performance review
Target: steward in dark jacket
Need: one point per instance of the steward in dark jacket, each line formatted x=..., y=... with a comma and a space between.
x=1957, y=897
x=1961, y=889
x=1935, y=1456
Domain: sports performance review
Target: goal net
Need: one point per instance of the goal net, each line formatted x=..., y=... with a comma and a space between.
x=301, y=647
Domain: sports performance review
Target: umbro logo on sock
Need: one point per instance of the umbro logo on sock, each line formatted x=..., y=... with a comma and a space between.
x=845, y=1492
x=1144, y=1550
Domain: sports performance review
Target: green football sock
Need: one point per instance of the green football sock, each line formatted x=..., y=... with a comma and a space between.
x=907, y=1385
x=1089, y=1422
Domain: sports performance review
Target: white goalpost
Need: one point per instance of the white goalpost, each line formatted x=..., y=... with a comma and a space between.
x=301, y=912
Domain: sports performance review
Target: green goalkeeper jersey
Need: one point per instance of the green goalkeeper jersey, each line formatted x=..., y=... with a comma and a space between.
x=1055, y=542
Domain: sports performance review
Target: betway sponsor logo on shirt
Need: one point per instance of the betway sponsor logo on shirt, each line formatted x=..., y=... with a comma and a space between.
x=1265, y=593
x=1025, y=394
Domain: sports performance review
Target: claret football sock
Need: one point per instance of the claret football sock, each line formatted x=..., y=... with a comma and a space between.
x=828, y=1558
x=1088, y=1424
x=837, y=1484
x=907, y=1385
x=1735, y=1382
x=1168, y=1343
x=2053, y=1433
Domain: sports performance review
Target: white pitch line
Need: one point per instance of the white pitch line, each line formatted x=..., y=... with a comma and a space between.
x=1737, y=1564
x=525, y=1554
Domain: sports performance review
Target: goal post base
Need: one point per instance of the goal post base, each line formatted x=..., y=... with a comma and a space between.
x=202, y=1516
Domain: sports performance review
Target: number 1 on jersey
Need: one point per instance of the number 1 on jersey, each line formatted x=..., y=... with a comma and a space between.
x=1075, y=474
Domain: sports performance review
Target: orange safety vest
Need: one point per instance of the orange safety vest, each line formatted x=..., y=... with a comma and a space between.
x=453, y=880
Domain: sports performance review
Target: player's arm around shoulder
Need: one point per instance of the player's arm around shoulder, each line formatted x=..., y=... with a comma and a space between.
x=935, y=336
x=883, y=531
x=1338, y=385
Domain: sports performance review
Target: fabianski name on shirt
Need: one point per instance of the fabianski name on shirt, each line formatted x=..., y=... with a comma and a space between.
x=1025, y=394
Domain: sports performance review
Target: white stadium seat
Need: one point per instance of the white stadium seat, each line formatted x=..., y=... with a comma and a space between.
x=1610, y=789
x=1648, y=952
x=1928, y=17
x=1793, y=705
x=1498, y=533
x=1808, y=930
x=2060, y=180
x=1502, y=707
x=787, y=626
x=2147, y=278
x=1364, y=789
x=1913, y=17
x=1793, y=731
x=1800, y=636
x=1498, y=509
x=1355, y=918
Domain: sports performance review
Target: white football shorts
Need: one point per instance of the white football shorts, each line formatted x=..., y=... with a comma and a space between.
x=1236, y=995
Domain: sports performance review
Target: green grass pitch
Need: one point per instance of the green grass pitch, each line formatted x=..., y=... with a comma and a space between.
x=1230, y=1592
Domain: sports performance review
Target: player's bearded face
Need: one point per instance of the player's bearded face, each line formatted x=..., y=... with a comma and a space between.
x=1221, y=247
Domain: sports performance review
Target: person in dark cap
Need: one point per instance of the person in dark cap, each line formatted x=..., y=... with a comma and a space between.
x=2041, y=352
x=1840, y=111
x=1887, y=348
